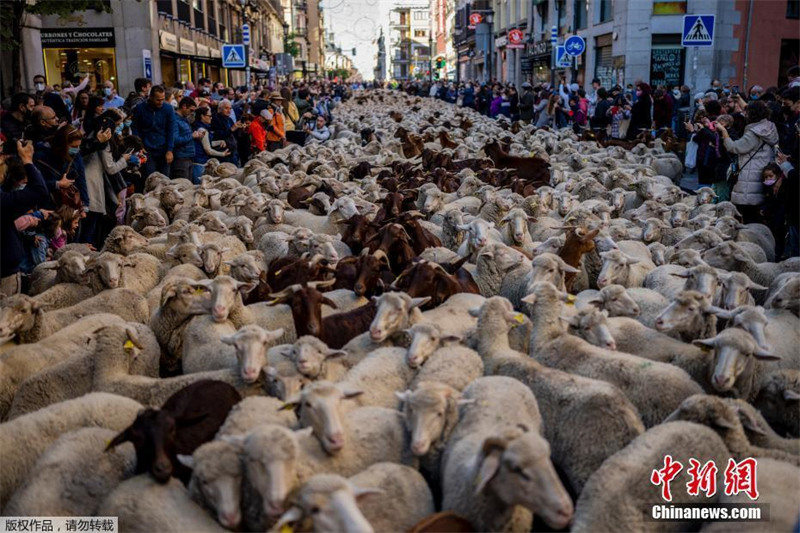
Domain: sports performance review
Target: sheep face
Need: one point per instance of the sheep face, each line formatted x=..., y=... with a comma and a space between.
x=658, y=253
x=17, y=315
x=323, y=245
x=616, y=301
x=686, y=258
x=616, y=268
x=309, y=354
x=517, y=223
x=778, y=401
x=270, y=456
x=550, y=268
x=728, y=226
x=698, y=222
x=786, y=297
x=275, y=211
x=711, y=411
x=592, y=326
x=679, y=215
x=124, y=240
x=242, y=227
x=651, y=230
x=318, y=407
x=251, y=343
x=108, y=268
x=687, y=308
x=752, y=320
x=425, y=339
x=735, y=352
x=701, y=278
x=217, y=475
x=211, y=255
x=518, y=470
x=71, y=266
x=153, y=435
x=330, y=502
x=185, y=297
x=245, y=267
x=225, y=294
x=705, y=195
x=185, y=254
x=428, y=413
x=727, y=256
x=735, y=290
x=280, y=386
x=392, y=313
x=211, y=222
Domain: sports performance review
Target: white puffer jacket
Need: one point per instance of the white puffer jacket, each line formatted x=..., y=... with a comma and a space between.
x=758, y=142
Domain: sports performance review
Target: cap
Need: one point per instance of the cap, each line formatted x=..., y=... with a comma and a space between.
x=526, y=85
x=574, y=87
x=275, y=95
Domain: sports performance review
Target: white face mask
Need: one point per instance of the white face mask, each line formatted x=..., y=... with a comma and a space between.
x=676, y=93
x=40, y=86
x=174, y=104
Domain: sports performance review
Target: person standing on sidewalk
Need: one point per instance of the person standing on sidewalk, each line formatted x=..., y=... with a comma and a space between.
x=184, y=140
x=154, y=124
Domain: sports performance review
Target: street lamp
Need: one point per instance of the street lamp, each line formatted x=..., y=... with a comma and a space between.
x=490, y=22
x=430, y=56
x=246, y=47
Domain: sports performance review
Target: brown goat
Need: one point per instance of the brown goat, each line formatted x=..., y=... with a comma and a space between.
x=188, y=418
x=421, y=238
x=446, y=141
x=533, y=169
x=358, y=229
x=577, y=243
x=425, y=278
x=366, y=275
x=286, y=271
x=393, y=240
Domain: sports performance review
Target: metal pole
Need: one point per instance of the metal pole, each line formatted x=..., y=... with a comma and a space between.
x=554, y=43
x=491, y=46
x=747, y=46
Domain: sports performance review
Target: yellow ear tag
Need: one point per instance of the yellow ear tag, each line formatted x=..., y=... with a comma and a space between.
x=570, y=299
x=705, y=348
x=286, y=528
x=278, y=272
x=287, y=407
x=273, y=302
x=520, y=318
x=199, y=290
x=128, y=344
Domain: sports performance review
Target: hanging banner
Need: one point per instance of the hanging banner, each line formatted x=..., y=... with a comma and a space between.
x=516, y=39
x=474, y=20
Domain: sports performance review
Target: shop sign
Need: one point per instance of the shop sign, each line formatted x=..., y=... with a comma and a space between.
x=516, y=38
x=202, y=50
x=187, y=47
x=501, y=41
x=541, y=48
x=168, y=41
x=474, y=20
x=216, y=53
x=71, y=38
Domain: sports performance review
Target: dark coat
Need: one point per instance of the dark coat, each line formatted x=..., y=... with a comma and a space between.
x=13, y=205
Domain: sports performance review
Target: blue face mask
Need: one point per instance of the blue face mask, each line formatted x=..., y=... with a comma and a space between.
x=19, y=187
x=118, y=130
x=107, y=91
x=127, y=123
x=74, y=151
x=134, y=160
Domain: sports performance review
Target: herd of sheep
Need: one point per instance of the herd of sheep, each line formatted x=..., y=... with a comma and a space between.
x=432, y=322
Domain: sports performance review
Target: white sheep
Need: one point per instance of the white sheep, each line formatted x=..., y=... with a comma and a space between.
x=437, y=358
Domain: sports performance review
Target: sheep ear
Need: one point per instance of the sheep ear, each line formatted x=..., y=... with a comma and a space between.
x=292, y=515
x=720, y=422
x=417, y=302
x=186, y=460
x=230, y=340
x=529, y=299
x=631, y=260
x=789, y=395
x=465, y=401
x=755, y=286
x=595, y=301
x=475, y=312
x=705, y=343
x=360, y=493
x=350, y=393
x=451, y=339
x=749, y=422
x=741, y=257
x=403, y=396
x=124, y=436
x=291, y=403
x=764, y=355
x=720, y=313
x=335, y=353
x=167, y=294
x=489, y=467
x=684, y=274
x=272, y=335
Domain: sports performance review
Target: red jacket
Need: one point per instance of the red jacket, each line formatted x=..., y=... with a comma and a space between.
x=258, y=135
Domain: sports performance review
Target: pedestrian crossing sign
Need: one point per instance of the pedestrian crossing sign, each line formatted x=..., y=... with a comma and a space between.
x=563, y=60
x=233, y=55
x=698, y=30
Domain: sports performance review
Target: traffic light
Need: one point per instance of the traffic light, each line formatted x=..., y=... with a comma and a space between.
x=440, y=62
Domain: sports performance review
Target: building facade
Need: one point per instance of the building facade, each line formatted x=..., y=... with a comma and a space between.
x=168, y=41
x=410, y=40
x=442, y=16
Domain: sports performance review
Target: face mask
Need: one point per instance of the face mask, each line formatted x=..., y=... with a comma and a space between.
x=118, y=130
x=74, y=151
x=127, y=123
x=67, y=101
x=174, y=104
x=40, y=86
x=676, y=93
x=134, y=160
x=19, y=187
x=770, y=182
x=107, y=91
x=753, y=97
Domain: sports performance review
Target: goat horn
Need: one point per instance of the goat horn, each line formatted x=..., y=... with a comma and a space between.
x=321, y=284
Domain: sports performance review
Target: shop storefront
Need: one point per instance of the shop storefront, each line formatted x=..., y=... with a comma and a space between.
x=539, y=61
x=667, y=60
x=604, y=60
x=184, y=60
x=73, y=53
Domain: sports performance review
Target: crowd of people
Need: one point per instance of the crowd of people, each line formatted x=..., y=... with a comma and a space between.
x=72, y=155
x=742, y=144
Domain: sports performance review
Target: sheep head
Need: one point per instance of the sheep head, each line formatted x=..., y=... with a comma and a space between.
x=430, y=412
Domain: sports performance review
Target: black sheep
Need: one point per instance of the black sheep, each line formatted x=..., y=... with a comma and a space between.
x=188, y=418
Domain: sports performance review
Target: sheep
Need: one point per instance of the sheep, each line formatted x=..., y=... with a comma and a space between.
x=478, y=233
x=68, y=268
x=622, y=269
x=496, y=469
x=72, y=476
x=732, y=256
x=23, y=439
x=21, y=362
x=142, y=504
x=63, y=295
x=22, y=316
x=314, y=359
x=515, y=229
x=123, y=240
x=734, y=291
x=667, y=280
x=255, y=411
x=613, y=299
x=189, y=272
x=758, y=430
x=777, y=399
x=635, y=376
x=784, y=293
x=776, y=331
x=689, y=317
x=620, y=493
x=723, y=418
x=544, y=267
x=437, y=359
x=379, y=375
x=80, y=374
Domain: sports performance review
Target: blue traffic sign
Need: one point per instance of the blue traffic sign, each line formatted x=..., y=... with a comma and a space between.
x=563, y=60
x=575, y=45
x=698, y=30
x=246, y=34
x=554, y=35
x=233, y=55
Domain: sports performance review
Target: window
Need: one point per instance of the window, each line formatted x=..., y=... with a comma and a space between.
x=606, y=10
x=672, y=7
x=579, y=19
x=667, y=60
x=164, y=6
x=561, y=9
x=212, y=17
x=790, y=50
x=793, y=9
x=542, y=10
x=184, y=11
x=199, y=16
x=420, y=33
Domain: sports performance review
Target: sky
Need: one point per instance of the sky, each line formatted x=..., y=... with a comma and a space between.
x=356, y=24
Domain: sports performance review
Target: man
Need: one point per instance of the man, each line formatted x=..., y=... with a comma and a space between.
x=258, y=132
x=203, y=88
x=154, y=124
x=112, y=100
x=40, y=87
x=141, y=88
x=276, y=132
x=184, y=139
x=218, y=93
x=13, y=124
x=223, y=128
x=592, y=96
x=526, y=102
x=44, y=123
x=320, y=132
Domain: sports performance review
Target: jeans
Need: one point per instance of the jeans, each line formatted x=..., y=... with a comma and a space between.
x=35, y=254
x=88, y=229
x=182, y=168
x=197, y=171
x=792, y=246
x=155, y=163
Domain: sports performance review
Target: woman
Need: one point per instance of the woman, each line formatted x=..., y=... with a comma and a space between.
x=93, y=110
x=776, y=197
x=204, y=147
x=711, y=154
x=494, y=107
x=620, y=111
x=79, y=109
x=547, y=112
x=640, y=112
x=103, y=180
x=755, y=150
x=61, y=166
x=291, y=115
x=513, y=98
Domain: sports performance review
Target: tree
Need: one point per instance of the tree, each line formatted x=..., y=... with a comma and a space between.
x=290, y=46
x=12, y=18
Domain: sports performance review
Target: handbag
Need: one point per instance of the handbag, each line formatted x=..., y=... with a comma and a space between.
x=690, y=161
x=734, y=169
x=71, y=196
